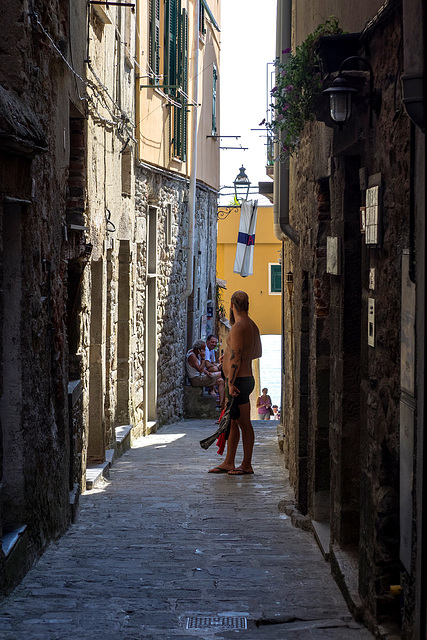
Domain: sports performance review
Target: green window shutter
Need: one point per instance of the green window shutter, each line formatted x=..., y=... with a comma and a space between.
x=154, y=39
x=214, y=88
x=202, y=27
x=275, y=278
x=171, y=28
x=184, y=85
x=180, y=113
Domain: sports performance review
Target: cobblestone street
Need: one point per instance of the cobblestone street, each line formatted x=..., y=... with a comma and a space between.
x=165, y=550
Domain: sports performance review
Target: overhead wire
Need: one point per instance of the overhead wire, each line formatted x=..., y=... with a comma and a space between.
x=123, y=120
x=120, y=122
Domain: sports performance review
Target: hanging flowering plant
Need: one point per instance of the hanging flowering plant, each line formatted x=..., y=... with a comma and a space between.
x=298, y=87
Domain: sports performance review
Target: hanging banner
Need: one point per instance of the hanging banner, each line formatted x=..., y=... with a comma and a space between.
x=244, y=261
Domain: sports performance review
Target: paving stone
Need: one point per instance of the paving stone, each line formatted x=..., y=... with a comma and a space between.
x=162, y=540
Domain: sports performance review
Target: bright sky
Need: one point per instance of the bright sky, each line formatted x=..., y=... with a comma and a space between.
x=248, y=35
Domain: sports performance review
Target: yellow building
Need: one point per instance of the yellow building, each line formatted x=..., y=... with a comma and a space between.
x=178, y=87
x=264, y=286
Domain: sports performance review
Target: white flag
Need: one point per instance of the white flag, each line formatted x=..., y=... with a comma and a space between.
x=244, y=262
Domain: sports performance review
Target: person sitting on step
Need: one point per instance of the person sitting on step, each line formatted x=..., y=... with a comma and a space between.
x=198, y=374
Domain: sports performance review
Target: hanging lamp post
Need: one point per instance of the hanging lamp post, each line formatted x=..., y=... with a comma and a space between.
x=241, y=186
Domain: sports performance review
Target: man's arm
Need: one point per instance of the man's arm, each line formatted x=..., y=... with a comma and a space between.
x=258, y=346
x=235, y=358
x=194, y=362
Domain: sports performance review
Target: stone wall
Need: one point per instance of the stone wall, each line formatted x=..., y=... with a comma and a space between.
x=167, y=195
x=342, y=394
x=34, y=124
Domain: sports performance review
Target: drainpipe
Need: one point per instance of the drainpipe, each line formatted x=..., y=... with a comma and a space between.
x=414, y=82
x=193, y=170
x=282, y=229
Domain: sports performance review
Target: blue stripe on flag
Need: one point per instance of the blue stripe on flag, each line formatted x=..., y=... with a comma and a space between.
x=246, y=239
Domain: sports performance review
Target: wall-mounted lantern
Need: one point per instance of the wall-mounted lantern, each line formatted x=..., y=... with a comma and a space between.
x=341, y=94
x=413, y=98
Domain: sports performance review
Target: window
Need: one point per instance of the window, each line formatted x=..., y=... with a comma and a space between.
x=202, y=26
x=154, y=40
x=180, y=122
x=128, y=38
x=214, y=87
x=127, y=160
x=168, y=225
x=170, y=39
x=274, y=279
x=168, y=60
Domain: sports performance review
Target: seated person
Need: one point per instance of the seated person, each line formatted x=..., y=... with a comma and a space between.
x=211, y=364
x=197, y=373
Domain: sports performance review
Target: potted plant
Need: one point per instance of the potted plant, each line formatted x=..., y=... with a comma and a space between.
x=298, y=87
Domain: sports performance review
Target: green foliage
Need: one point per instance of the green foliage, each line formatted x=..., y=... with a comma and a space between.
x=220, y=309
x=298, y=87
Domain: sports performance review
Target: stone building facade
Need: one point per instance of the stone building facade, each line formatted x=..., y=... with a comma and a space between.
x=39, y=473
x=162, y=210
x=353, y=444
x=98, y=301
x=177, y=181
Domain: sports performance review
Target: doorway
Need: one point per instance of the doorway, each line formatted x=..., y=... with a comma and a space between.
x=150, y=377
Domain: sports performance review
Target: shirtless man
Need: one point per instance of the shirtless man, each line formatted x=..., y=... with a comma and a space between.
x=243, y=346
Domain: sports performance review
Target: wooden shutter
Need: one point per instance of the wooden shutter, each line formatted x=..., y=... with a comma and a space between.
x=180, y=113
x=154, y=39
x=275, y=278
x=184, y=84
x=202, y=27
x=171, y=30
x=214, y=88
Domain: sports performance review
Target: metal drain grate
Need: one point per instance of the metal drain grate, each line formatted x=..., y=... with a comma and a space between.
x=226, y=622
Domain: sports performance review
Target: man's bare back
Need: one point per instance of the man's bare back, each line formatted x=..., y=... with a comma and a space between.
x=243, y=346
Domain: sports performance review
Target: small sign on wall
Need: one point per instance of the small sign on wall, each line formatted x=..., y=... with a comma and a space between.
x=371, y=322
x=372, y=216
x=372, y=278
x=333, y=255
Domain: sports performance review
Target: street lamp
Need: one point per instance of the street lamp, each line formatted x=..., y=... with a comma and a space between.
x=241, y=186
x=340, y=95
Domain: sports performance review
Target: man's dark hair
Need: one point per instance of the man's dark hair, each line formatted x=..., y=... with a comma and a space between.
x=240, y=300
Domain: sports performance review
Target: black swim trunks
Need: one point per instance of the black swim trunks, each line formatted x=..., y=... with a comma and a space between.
x=245, y=385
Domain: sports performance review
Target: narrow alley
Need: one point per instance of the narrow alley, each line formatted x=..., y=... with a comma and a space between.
x=165, y=550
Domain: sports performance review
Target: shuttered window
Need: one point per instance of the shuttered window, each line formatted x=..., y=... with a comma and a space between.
x=214, y=87
x=154, y=40
x=181, y=113
x=170, y=49
x=202, y=26
x=168, y=60
x=275, y=278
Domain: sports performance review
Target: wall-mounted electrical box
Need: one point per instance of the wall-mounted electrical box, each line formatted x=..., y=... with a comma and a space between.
x=371, y=322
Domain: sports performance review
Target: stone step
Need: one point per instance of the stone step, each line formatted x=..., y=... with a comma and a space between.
x=95, y=473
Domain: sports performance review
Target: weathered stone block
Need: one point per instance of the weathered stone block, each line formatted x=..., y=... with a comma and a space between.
x=197, y=404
